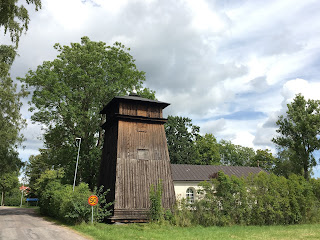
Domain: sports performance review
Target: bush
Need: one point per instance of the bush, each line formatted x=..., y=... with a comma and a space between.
x=156, y=210
x=262, y=199
x=182, y=214
x=60, y=201
x=74, y=207
x=13, y=198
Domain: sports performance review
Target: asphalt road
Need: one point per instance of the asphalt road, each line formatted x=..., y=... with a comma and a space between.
x=25, y=224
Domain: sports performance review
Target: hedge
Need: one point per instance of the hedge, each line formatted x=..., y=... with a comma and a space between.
x=263, y=199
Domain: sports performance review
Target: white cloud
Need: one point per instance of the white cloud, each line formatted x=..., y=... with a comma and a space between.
x=240, y=132
x=244, y=138
x=33, y=134
x=216, y=126
x=204, y=19
x=310, y=90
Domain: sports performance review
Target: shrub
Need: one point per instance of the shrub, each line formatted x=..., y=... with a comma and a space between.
x=74, y=207
x=182, y=214
x=13, y=198
x=60, y=201
x=102, y=210
x=156, y=210
x=262, y=199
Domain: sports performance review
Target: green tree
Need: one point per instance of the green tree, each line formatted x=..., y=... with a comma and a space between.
x=283, y=165
x=181, y=136
x=8, y=181
x=147, y=93
x=7, y=56
x=11, y=122
x=36, y=166
x=207, y=149
x=68, y=95
x=299, y=133
x=235, y=155
x=14, y=18
x=264, y=159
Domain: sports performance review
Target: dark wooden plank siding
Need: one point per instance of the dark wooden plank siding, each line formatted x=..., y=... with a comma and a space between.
x=107, y=175
x=137, y=180
x=139, y=174
x=131, y=140
x=135, y=156
x=134, y=109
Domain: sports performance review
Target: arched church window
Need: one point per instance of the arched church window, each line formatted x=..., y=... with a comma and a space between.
x=190, y=195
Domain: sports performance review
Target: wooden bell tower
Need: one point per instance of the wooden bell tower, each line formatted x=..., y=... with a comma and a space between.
x=135, y=155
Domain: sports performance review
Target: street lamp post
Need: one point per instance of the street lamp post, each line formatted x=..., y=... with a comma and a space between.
x=75, y=172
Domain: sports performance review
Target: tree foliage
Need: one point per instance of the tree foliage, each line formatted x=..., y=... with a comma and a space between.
x=7, y=56
x=181, y=136
x=11, y=122
x=299, y=133
x=235, y=155
x=207, y=150
x=262, y=199
x=60, y=201
x=36, y=166
x=8, y=182
x=68, y=95
x=264, y=159
x=283, y=165
x=14, y=18
x=187, y=146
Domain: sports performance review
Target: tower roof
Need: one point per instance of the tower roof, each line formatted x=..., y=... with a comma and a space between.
x=133, y=98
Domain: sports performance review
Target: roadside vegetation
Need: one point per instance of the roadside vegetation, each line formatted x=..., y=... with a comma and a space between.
x=262, y=199
x=230, y=206
x=59, y=201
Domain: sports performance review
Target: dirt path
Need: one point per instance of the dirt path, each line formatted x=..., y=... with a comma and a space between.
x=24, y=223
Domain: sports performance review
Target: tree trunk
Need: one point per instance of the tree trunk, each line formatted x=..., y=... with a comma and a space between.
x=100, y=139
x=305, y=170
x=2, y=196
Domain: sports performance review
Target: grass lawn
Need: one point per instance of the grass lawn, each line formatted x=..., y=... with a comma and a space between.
x=153, y=231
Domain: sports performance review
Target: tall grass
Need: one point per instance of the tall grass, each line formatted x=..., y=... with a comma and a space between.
x=156, y=231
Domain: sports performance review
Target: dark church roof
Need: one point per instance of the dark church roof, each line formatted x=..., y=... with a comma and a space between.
x=185, y=172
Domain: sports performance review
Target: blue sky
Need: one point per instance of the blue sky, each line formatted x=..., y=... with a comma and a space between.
x=231, y=66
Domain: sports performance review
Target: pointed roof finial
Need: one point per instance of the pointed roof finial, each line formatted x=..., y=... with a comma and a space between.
x=133, y=92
